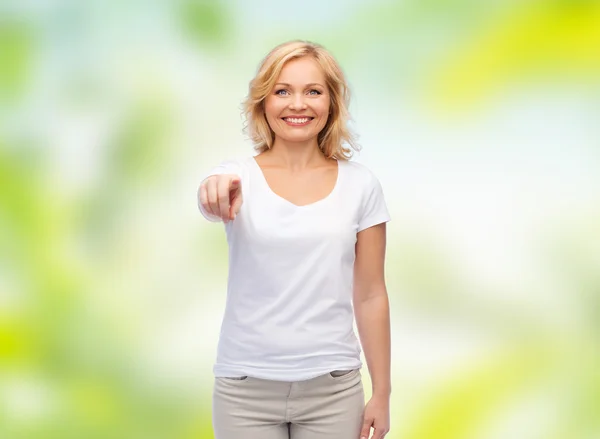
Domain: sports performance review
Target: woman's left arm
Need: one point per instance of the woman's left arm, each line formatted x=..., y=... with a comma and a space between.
x=372, y=311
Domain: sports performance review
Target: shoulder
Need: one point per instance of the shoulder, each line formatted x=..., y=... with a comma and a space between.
x=233, y=165
x=373, y=207
x=360, y=173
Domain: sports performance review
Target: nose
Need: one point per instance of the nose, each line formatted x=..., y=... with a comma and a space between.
x=297, y=102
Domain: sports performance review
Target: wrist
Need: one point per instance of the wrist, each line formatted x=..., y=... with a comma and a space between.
x=382, y=392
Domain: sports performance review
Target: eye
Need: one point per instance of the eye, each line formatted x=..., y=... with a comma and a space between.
x=314, y=92
x=280, y=92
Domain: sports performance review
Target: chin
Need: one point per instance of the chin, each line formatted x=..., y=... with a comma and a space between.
x=297, y=139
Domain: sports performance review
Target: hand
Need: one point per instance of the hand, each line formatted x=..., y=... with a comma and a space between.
x=221, y=195
x=376, y=416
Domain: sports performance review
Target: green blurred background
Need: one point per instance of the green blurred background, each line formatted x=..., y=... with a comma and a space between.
x=480, y=117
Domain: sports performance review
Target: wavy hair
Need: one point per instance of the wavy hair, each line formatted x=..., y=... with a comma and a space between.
x=335, y=139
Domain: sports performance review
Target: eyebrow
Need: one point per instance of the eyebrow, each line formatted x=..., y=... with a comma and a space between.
x=307, y=85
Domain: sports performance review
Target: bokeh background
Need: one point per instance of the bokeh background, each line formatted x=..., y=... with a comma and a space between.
x=480, y=117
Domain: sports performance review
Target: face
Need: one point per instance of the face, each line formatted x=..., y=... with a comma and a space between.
x=298, y=106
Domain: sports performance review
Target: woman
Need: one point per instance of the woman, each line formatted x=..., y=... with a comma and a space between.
x=306, y=234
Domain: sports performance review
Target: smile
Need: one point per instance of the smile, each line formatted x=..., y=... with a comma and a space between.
x=297, y=121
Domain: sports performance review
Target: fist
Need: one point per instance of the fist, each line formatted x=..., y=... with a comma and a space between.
x=221, y=196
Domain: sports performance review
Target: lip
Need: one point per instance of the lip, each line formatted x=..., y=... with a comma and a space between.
x=310, y=119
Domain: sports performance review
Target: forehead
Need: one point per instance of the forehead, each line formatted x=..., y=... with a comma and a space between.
x=302, y=70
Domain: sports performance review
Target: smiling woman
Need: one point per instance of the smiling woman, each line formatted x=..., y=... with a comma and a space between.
x=306, y=234
x=302, y=75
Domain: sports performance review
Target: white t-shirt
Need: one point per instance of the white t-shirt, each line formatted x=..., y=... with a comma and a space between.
x=288, y=314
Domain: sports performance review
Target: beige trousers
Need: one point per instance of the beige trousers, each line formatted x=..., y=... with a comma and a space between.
x=326, y=407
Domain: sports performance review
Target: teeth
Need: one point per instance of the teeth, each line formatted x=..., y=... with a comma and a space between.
x=294, y=120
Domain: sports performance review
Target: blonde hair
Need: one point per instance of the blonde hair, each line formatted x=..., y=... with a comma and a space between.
x=335, y=133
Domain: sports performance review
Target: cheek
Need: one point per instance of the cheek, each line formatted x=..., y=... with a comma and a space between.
x=323, y=108
x=268, y=108
x=270, y=115
x=273, y=107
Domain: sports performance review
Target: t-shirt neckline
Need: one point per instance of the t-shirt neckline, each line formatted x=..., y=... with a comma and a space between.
x=288, y=202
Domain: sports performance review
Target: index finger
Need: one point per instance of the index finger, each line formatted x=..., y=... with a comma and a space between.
x=223, y=196
x=366, y=429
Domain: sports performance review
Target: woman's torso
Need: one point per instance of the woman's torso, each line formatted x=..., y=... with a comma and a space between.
x=289, y=313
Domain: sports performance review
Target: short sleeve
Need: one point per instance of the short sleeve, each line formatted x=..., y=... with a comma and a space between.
x=374, y=208
x=225, y=167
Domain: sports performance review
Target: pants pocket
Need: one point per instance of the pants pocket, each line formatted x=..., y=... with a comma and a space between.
x=340, y=373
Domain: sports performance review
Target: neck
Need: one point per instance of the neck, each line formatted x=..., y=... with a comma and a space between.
x=296, y=155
